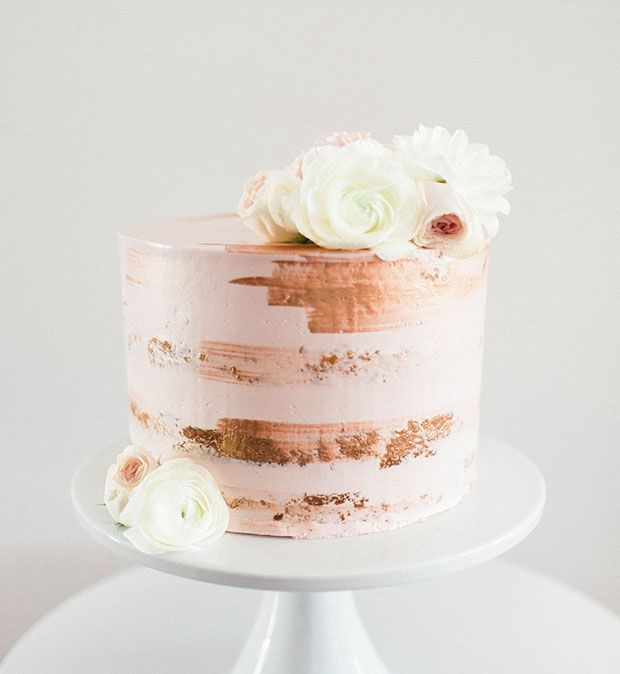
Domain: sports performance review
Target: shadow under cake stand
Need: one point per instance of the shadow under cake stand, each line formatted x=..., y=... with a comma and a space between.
x=308, y=622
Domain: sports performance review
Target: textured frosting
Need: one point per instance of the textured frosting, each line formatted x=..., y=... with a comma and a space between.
x=330, y=393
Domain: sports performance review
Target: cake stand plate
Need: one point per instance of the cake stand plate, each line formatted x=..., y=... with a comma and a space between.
x=303, y=627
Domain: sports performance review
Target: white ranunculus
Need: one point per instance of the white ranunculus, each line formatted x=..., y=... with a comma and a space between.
x=479, y=178
x=264, y=206
x=357, y=196
x=446, y=223
x=132, y=465
x=176, y=507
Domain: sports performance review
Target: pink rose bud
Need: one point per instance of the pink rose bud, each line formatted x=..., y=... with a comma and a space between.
x=449, y=224
x=132, y=465
x=131, y=472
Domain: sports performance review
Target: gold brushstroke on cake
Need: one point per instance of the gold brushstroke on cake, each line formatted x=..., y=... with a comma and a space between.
x=416, y=439
x=259, y=441
x=321, y=500
x=311, y=508
x=349, y=362
x=244, y=502
x=306, y=507
x=162, y=352
x=353, y=295
x=358, y=445
x=156, y=422
x=246, y=364
x=314, y=500
x=138, y=265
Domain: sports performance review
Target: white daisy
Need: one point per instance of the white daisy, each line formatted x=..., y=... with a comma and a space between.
x=479, y=178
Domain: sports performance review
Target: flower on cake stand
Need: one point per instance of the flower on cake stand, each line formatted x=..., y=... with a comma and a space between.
x=478, y=178
x=173, y=506
x=357, y=196
x=178, y=506
x=132, y=465
x=264, y=206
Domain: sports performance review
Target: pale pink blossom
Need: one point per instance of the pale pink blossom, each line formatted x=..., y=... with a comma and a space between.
x=132, y=465
x=447, y=224
x=337, y=139
x=265, y=205
x=250, y=191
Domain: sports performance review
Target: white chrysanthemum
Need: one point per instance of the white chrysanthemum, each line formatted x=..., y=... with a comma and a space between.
x=479, y=178
x=264, y=206
x=357, y=196
x=176, y=507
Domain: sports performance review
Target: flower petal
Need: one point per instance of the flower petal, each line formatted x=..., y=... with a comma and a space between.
x=176, y=507
x=395, y=249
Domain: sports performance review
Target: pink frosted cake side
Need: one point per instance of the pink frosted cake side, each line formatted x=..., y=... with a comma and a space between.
x=329, y=393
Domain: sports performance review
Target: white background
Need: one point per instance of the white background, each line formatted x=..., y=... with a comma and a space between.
x=114, y=113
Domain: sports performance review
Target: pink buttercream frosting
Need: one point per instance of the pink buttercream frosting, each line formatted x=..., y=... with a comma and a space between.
x=329, y=393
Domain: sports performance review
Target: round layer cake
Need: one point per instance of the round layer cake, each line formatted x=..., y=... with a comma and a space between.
x=330, y=393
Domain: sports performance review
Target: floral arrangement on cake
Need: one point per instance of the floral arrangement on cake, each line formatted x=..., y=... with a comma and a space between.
x=175, y=505
x=349, y=191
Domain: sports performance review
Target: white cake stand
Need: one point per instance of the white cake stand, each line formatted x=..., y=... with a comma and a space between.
x=303, y=626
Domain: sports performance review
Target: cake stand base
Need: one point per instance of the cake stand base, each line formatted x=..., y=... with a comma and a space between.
x=498, y=617
x=309, y=632
x=301, y=628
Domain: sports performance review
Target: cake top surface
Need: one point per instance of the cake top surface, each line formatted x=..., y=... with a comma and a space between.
x=223, y=231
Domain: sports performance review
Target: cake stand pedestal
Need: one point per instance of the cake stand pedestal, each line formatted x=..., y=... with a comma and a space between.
x=304, y=626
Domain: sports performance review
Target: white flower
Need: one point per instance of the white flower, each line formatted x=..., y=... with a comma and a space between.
x=176, y=507
x=132, y=465
x=264, y=205
x=338, y=139
x=446, y=223
x=357, y=196
x=479, y=179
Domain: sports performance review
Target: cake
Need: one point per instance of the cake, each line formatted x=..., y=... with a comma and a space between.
x=328, y=390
